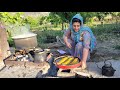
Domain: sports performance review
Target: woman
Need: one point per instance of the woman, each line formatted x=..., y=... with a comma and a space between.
x=79, y=39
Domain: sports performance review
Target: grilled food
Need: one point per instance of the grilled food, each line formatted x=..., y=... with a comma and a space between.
x=68, y=61
x=75, y=61
x=62, y=60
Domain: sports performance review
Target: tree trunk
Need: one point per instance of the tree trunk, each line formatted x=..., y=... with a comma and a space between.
x=116, y=20
x=62, y=26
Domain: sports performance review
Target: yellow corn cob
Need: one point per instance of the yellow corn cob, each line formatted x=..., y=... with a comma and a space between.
x=68, y=61
x=62, y=60
x=75, y=61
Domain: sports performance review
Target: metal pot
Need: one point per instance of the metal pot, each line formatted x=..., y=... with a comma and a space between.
x=25, y=41
x=40, y=56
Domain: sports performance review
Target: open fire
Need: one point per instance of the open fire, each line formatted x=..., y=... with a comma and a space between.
x=53, y=71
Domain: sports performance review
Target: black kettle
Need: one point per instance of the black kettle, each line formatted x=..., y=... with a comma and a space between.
x=107, y=69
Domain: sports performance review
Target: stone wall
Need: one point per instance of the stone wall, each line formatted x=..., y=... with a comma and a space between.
x=4, y=46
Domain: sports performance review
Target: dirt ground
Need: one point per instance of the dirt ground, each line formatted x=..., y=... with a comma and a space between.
x=105, y=51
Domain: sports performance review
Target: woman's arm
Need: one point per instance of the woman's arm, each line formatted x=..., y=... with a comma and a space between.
x=66, y=35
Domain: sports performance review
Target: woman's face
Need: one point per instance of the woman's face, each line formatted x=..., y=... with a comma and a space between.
x=76, y=26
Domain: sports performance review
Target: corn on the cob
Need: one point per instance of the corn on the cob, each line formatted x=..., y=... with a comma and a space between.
x=68, y=61
x=75, y=61
x=62, y=60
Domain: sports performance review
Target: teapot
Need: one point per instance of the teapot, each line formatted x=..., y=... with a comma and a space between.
x=107, y=69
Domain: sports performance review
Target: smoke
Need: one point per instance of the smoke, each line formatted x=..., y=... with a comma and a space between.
x=18, y=31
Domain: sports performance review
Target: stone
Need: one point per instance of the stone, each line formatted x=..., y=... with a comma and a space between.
x=4, y=46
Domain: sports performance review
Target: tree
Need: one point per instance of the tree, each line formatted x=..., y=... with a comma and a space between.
x=65, y=17
x=116, y=15
x=62, y=17
x=87, y=16
x=101, y=15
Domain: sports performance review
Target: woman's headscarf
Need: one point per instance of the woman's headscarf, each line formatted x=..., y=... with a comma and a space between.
x=82, y=28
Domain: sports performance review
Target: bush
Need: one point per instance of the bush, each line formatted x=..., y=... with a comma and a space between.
x=42, y=35
x=117, y=47
x=11, y=42
x=34, y=22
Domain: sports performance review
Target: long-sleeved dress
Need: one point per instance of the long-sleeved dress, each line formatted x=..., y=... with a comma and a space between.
x=77, y=48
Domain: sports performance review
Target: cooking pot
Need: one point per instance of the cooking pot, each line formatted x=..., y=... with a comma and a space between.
x=25, y=41
x=40, y=56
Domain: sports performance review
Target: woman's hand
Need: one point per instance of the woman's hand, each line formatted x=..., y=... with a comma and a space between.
x=68, y=45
